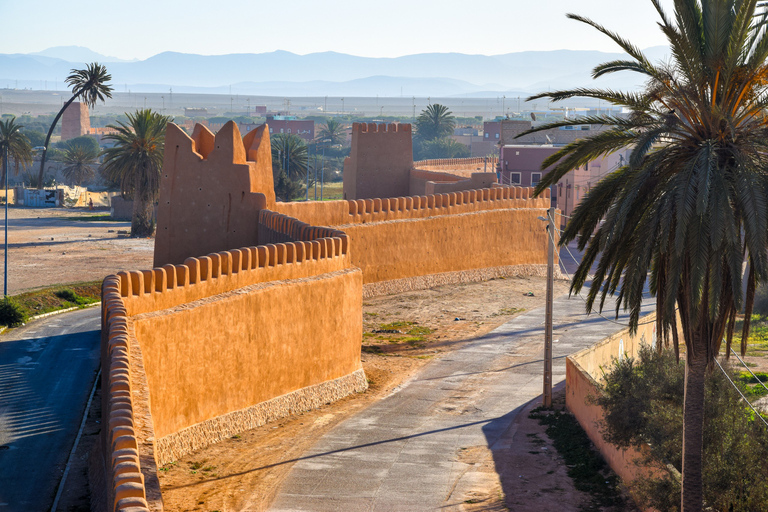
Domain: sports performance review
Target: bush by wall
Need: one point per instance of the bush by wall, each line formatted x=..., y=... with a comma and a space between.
x=643, y=403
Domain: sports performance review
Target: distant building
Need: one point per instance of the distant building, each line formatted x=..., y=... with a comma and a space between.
x=291, y=125
x=195, y=112
x=520, y=164
x=76, y=121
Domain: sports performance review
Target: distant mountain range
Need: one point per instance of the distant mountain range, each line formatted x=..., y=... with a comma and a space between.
x=327, y=74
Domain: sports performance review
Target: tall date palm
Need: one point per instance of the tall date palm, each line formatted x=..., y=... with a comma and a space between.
x=135, y=161
x=691, y=204
x=13, y=140
x=89, y=84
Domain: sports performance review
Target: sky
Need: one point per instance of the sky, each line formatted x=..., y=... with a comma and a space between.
x=142, y=28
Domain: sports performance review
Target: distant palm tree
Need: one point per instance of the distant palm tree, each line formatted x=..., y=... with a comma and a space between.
x=81, y=162
x=333, y=132
x=89, y=84
x=435, y=122
x=296, y=150
x=135, y=161
x=690, y=204
x=15, y=143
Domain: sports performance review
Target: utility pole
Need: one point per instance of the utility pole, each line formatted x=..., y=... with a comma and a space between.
x=548, y=313
x=5, y=268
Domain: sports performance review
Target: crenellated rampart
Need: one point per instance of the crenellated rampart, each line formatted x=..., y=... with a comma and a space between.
x=221, y=344
x=268, y=321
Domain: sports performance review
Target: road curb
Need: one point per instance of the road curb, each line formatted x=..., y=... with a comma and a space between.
x=52, y=313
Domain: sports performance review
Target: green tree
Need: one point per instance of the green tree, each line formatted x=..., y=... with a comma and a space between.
x=690, y=205
x=289, y=153
x=439, y=148
x=136, y=160
x=15, y=144
x=333, y=132
x=81, y=161
x=89, y=84
x=435, y=122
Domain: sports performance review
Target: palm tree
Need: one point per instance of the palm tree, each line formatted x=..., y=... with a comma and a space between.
x=13, y=140
x=89, y=84
x=435, y=122
x=136, y=160
x=332, y=131
x=289, y=152
x=690, y=205
x=81, y=161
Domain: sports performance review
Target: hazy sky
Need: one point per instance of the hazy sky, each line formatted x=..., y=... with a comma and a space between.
x=142, y=28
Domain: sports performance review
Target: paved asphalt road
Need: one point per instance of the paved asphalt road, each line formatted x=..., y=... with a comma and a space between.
x=47, y=369
x=402, y=453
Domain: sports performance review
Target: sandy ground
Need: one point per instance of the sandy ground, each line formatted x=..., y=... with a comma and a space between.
x=50, y=246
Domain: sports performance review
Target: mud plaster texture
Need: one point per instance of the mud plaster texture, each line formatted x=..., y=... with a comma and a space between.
x=142, y=421
x=461, y=277
x=175, y=446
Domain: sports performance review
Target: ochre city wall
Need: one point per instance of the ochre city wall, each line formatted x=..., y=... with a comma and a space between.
x=408, y=237
x=211, y=189
x=221, y=344
x=379, y=162
x=461, y=165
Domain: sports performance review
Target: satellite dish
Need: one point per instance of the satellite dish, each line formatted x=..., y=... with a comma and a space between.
x=533, y=116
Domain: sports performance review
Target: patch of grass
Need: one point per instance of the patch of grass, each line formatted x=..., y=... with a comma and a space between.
x=370, y=313
x=54, y=298
x=508, y=311
x=395, y=326
x=92, y=218
x=586, y=466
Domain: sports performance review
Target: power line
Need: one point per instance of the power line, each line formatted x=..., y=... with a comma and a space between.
x=562, y=266
x=741, y=394
x=747, y=367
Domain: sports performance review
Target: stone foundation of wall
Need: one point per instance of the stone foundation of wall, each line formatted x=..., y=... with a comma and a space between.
x=174, y=446
x=464, y=276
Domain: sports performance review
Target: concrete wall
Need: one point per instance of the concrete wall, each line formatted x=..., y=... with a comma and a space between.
x=211, y=188
x=379, y=162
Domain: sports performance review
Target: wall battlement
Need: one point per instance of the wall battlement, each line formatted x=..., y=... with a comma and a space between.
x=213, y=185
x=379, y=162
x=313, y=251
x=381, y=128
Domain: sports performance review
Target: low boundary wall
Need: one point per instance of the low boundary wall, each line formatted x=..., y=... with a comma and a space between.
x=584, y=369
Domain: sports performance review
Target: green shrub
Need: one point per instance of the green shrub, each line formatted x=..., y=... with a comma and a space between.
x=11, y=313
x=70, y=296
x=643, y=403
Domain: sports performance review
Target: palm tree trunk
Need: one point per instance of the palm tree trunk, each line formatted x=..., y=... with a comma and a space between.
x=142, y=221
x=48, y=141
x=693, y=426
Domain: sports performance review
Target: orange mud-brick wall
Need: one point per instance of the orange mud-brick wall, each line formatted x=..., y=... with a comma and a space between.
x=197, y=352
x=408, y=237
x=379, y=162
x=211, y=188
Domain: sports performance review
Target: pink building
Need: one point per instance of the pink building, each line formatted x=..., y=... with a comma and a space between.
x=289, y=124
x=521, y=165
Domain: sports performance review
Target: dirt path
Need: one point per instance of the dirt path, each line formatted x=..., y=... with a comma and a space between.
x=243, y=473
